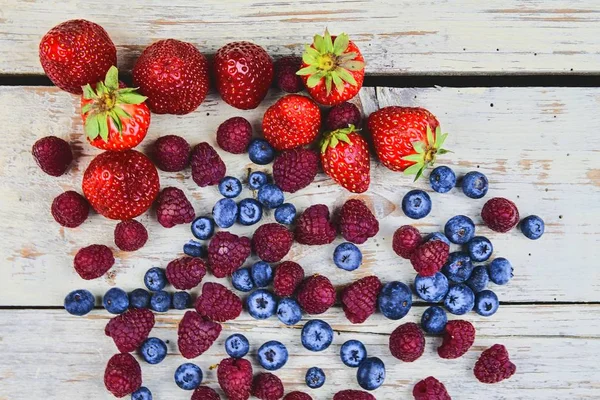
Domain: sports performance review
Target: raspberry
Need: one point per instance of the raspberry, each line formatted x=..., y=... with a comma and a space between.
x=357, y=222
x=234, y=135
x=267, y=386
x=186, y=272
x=316, y=294
x=297, y=396
x=52, y=154
x=122, y=375
x=226, y=253
x=205, y=393
x=130, y=329
x=173, y=208
x=271, y=242
x=359, y=299
x=406, y=240
x=353, y=395
x=130, y=235
x=217, y=303
x=500, y=214
x=343, y=115
x=235, y=378
x=70, y=209
x=171, y=153
x=494, y=365
x=93, y=261
x=285, y=74
x=295, y=169
x=407, y=342
x=288, y=275
x=314, y=227
x=430, y=389
x=429, y=257
x=207, y=167
x=459, y=336
x=195, y=335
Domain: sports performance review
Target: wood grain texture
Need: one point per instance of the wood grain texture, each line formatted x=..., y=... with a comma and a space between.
x=396, y=37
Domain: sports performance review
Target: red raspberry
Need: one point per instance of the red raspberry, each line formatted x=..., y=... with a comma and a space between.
x=297, y=396
x=343, y=115
x=360, y=299
x=314, y=227
x=271, y=242
x=171, y=153
x=186, y=272
x=407, y=342
x=93, y=261
x=295, y=169
x=130, y=329
x=130, y=235
x=406, y=240
x=195, y=335
x=205, y=393
x=316, y=294
x=226, y=253
x=429, y=257
x=235, y=378
x=122, y=375
x=500, y=214
x=288, y=275
x=353, y=395
x=207, y=166
x=52, y=154
x=267, y=386
x=173, y=208
x=285, y=74
x=234, y=135
x=458, y=339
x=494, y=365
x=70, y=209
x=357, y=222
x=217, y=303
x=430, y=389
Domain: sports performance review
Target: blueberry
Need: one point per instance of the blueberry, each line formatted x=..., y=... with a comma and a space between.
x=480, y=248
x=160, y=301
x=242, y=280
x=395, y=300
x=315, y=378
x=257, y=179
x=288, y=311
x=270, y=196
x=316, y=335
x=459, y=229
x=458, y=267
x=230, y=187
x=347, y=256
x=272, y=355
x=434, y=320
x=500, y=271
x=442, y=179
x=237, y=345
x=194, y=249
x=181, y=300
x=437, y=236
x=143, y=393
x=153, y=350
x=188, y=376
x=353, y=352
x=79, y=302
x=532, y=227
x=225, y=213
x=261, y=304
x=285, y=213
x=139, y=298
x=475, y=185
x=479, y=279
x=416, y=204
x=262, y=274
x=250, y=212
x=432, y=289
x=203, y=228
x=486, y=303
x=155, y=279
x=460, y=299
x=115, y=301
x=371, y=373
x=260, y=152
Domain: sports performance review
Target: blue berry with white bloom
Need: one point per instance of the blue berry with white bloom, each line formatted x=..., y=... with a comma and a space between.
x=500, y=271
x=480, y=248
x=257, y=179
x=153, y=350
x=188, y=376
x=230, y=187
x=475, y=185
x=155, y=279
x=434, y=320
x=352, y=353
x=432, y=289
x=203, y=228
x=242, y=280
x=139, y=298
x=289, y=311
x=285, y=213
x=316, y=335
x=160, y=301
x=437, y=236
x=347, y=256
x=225, y=213
x=315, y=378
x=395, y=300
x=261, y=304
x=116, y=301
x=260, y=152
x=237, y=345
x=442, y=179
x=181, y=300
x=194, y=249
x=479, y=279
x=79, y=302
x=262, y=274
x=459, y=229
x=532, y=227
x=459, y=300
x=270, y=196
x=143, y=393
x=272, y=355
x=416, y=204
x=486, y=303
x=250, y=212
x=371, y=373
x=458, y=267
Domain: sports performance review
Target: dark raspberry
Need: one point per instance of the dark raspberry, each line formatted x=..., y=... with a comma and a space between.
x=297, y=396
x=52, y=154
x=267, y=386
x=288, y=276
x=459, y=336
x=500, y=214
x=195, y=335
x=285, y=74
x=314, y=227
x=271, y=242
x=316, y=294
x=186, y=272
x=171, y=153
x=359, y=299
x=429, y=257
x=173, y=208
x=130, y=235
x=205, y=393
x=353, y=395
x=70, y=209
x=343, y=115
x=430, y=389
x=226, y=253
x=217, y=303
x=295, y=169
x=130, y=329
x=122, y=375
x=207, y=166
x=235, y=378
x=357, y=223
x=93, y=261
x=234, y=135
x=494, y=365
x=406, y=240
x=407, y=342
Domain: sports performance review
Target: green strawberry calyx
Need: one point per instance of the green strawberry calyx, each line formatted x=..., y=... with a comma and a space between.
x=426, y=153
x=328, y=59
x=333, y=138
x=107, y=100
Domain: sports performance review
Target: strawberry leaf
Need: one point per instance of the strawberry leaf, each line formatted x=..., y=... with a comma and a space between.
x=443, y=151
x=103, y=124
x=314, y=79
x=310, y=56
x=324, y=144
x=130, y=98
x=319, y=43
x=344, y=138
x=328, y=83
x=413, y=169
x=414, y=157
x=311, y=69
x=88, y=92
x=112, y=78
x=347, y=57
x=116, y=120
x=92, y=127
x=334, y=141
x=338, y=82
x=419, y=173
x=328, y=42
x=430, y=139
x=341, y=44
x=419, y=147
x=86, y=108
x=346, y=76
x=121, y=113
x=353, y=65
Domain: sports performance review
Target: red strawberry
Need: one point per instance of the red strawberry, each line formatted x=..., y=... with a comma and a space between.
x=345, y=158
x=235, y=378
x=76, y=53
x=130, y=329
x=243, y=73
x=333, y=69
x=292, y=121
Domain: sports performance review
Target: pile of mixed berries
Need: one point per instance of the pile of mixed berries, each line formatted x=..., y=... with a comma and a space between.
x=172, y=77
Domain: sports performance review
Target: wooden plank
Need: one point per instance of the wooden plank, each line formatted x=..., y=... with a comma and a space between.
x=396, y=37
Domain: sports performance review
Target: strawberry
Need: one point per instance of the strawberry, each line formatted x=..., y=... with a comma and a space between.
x=114, y=118
x=243, y=73
x=404, y=138
x=76, y=53
x=332, y=61
x=345, y=158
